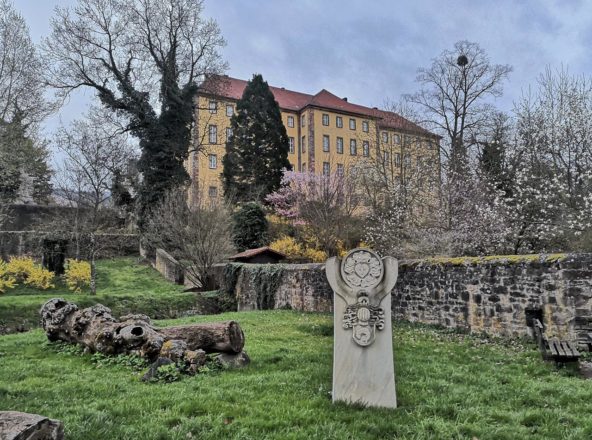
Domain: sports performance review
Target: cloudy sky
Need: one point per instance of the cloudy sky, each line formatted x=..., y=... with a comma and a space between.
x=370, y=50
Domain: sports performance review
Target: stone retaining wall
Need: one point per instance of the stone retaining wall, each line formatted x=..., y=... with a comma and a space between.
x=168, y=267
x=490, y=294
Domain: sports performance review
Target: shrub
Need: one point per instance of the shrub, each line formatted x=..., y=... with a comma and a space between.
x=249, y=229
x=7, y=281
x=77, y=274
x=20, y=268
x=315, y=255
x=294, y=250
x=40, y=278
x=287, y=246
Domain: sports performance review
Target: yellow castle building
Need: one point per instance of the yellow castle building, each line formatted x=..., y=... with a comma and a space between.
x=327, y=134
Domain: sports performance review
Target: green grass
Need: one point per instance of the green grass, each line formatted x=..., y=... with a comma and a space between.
x=449, y=385
x=122, y=284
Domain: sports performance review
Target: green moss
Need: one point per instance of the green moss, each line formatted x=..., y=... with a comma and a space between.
x=502, y=259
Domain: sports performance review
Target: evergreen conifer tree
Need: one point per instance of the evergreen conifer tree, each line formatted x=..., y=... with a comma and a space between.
x=257, y=152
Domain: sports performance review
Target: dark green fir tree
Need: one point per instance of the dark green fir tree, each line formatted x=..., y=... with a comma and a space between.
x=257, y=152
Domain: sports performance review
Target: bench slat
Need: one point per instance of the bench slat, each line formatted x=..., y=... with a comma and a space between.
x=572, y=348
x=557, y=349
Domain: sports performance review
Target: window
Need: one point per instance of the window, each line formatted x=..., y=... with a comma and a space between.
x=338, y=121
x=353, y=147
x=340, y=169
x=325, y=119
x=406, y=140
x=302, y=120
x=213, y=106
x=386, y=156
x=213, y=134
x=213, y=160
x=406, y=161
x=291, y=144
x=365, y=148
x=326, y=168
x=339, y=145
x=303, y=144
x=213, y=192
x=352, y=124
x=385, y=137
x=291, y=121
x=397, y=160
x=397, y=139
x=365, y=127
x=325, y=143
x=228, y=133
x=229, y=110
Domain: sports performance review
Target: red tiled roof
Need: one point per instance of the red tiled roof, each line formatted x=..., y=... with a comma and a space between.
x=252, y=252
x=233, y=88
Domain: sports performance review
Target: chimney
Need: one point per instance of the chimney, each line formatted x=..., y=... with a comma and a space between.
x=345, y=99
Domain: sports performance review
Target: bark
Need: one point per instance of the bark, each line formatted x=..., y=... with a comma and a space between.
x=98, y=331
x=22, y=426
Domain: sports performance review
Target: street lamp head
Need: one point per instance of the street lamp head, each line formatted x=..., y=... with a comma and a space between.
x=462, y=60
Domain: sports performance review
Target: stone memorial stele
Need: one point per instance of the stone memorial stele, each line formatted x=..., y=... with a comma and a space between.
x=363, y=370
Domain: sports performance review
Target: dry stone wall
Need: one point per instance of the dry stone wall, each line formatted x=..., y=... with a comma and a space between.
x=495, y=295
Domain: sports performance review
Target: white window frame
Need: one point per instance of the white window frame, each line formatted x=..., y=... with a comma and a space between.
x=353, y=147
x=213, y=134
x=291, y=145
x=213, y=107
x=366, y=149
x=325, y=119
x=231, y=112
x=339, y=145
x=338, y=121
x=326, y=143
x=326, y=168
x=352, y=124
x=213, y=161
x=291, y=121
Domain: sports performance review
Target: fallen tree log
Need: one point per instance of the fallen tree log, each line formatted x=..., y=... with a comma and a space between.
x=97, y=330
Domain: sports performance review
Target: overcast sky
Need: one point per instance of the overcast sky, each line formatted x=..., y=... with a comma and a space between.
x=370, y=50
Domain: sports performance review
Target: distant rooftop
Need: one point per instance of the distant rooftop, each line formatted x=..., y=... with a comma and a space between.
x=233, y=88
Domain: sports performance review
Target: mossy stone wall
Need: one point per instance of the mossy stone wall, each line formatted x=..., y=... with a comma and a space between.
x=486, y=294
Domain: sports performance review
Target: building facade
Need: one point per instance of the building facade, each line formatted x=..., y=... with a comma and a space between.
x=327, y=135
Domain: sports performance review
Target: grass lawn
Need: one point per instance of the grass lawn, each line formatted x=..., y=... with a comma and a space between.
x=122, y=284
x=449, y=386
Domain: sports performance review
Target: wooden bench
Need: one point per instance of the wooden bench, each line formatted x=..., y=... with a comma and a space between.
x=553, y=349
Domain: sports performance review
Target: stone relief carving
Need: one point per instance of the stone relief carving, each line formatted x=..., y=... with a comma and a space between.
x=362, y=271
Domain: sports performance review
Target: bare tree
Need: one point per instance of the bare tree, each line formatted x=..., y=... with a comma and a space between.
x=95, y=153
x=125, y=50
x=198, y=237
x=453, y=98
x=21, y=75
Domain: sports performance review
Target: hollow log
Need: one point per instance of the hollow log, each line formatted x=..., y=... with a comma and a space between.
x=225, y=337
x=97, y=330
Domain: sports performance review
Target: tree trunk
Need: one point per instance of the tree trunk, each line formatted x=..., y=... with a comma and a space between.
x=226, y=337
x=93, y=266
x=98, y=331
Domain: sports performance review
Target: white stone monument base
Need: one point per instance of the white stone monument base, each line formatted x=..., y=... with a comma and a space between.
x=363, y=375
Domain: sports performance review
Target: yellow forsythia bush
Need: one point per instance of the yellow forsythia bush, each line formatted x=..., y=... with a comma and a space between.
x=40, y=278
x=315, y=255
x=287, y=246
x=294, y=250
x=77, y=274
x=7, y=281
x=20, y=268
